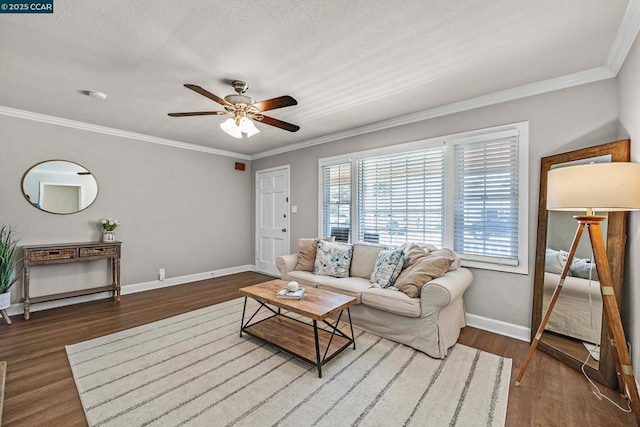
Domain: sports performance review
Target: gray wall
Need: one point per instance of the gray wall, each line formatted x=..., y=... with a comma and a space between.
x=183, y=210
x=559, y=121
x=629, y=92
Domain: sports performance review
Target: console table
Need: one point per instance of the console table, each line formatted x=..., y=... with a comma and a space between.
x=64, y=253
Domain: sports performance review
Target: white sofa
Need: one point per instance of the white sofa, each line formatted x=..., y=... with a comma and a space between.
x=430, y=323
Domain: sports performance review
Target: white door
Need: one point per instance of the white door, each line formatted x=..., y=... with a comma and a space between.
x=272, y=218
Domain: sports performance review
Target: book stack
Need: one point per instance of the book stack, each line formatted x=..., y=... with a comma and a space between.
x=285, y=293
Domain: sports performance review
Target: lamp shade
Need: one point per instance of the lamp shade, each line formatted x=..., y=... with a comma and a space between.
x=247, y=126
x=599, y=186
x=236, y=128
x=230, y=127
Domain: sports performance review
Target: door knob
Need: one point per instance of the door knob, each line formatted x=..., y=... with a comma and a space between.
x=284, y=230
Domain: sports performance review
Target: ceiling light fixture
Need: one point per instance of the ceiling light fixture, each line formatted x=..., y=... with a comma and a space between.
x=239, y=124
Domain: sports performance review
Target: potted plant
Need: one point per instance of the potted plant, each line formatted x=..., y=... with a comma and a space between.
x=8, y=275
x=109, y=229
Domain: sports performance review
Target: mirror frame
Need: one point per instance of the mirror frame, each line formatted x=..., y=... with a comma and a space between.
x=24, y=176
x=620, y=151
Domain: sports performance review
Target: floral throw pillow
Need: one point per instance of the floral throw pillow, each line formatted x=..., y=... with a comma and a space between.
x=388, y=267
x=333, y=259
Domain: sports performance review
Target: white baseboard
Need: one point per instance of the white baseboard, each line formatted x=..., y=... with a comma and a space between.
x=173, y=281
x=518, y=332
x=18, y=308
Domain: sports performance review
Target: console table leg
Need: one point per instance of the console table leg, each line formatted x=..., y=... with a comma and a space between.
x=116, y=277
x=5, y=317
x=26, y=274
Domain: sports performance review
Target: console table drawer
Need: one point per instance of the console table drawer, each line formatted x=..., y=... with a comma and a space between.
x=52, y=254
x=98, y=251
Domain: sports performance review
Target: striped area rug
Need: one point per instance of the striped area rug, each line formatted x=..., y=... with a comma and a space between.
x=194, y=369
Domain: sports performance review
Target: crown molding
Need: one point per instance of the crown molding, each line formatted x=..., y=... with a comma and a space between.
x=58, y=121
x=627, y=34
x=538, y=88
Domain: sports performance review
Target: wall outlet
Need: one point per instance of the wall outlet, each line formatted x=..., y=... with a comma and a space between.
x=161, y=274
x=294, y=209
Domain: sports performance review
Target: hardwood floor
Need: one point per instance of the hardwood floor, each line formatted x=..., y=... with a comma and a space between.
x=40, y=389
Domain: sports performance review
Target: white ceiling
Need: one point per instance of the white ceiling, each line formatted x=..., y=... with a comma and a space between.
x=349, y=63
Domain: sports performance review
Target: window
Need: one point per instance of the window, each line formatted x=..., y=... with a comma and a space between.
x=336, y=201
x=486, y=198
x=401, y=198
x=466, y=191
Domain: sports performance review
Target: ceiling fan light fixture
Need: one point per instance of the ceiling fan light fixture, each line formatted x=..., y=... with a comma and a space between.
x=229, y=126
x=247, y=126
x=235, y=127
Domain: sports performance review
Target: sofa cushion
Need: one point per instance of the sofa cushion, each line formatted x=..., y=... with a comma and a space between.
x=352, y=286
x=388, y=266
x=364, y=259
x=392, y=301
x=424, y=270
x=307, y=253
x=333, y=259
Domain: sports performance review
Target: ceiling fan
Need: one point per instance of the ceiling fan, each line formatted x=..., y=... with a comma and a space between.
x=243, y=108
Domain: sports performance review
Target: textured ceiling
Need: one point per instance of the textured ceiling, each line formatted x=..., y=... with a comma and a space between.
x=348, y=63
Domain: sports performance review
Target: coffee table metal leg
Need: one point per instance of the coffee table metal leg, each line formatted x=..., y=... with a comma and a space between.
x=315, y=335
x=244, y=308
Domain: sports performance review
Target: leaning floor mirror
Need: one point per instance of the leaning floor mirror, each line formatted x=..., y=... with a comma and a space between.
x=577, y=333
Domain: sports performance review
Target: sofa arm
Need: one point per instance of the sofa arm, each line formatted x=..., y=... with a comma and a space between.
x=441, y=291
x=286, y=264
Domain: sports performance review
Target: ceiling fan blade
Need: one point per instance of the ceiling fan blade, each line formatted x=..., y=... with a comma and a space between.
x=275, y=122
x=272, y=104
x=198, y=113
x=208, y=94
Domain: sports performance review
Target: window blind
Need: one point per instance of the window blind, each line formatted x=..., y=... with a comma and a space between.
x=486, y=196
x=401, y=198
x=336, y=201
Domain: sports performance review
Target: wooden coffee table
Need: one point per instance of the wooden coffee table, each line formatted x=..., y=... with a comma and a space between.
x=298, y=338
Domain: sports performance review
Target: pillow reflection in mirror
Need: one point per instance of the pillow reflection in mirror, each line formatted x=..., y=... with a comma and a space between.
x=584, y=269
x=555, y=261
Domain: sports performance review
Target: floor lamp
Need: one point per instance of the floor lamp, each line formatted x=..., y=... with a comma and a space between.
x=601, y=187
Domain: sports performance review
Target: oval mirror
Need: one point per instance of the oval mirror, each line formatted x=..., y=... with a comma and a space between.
x=59, y=187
